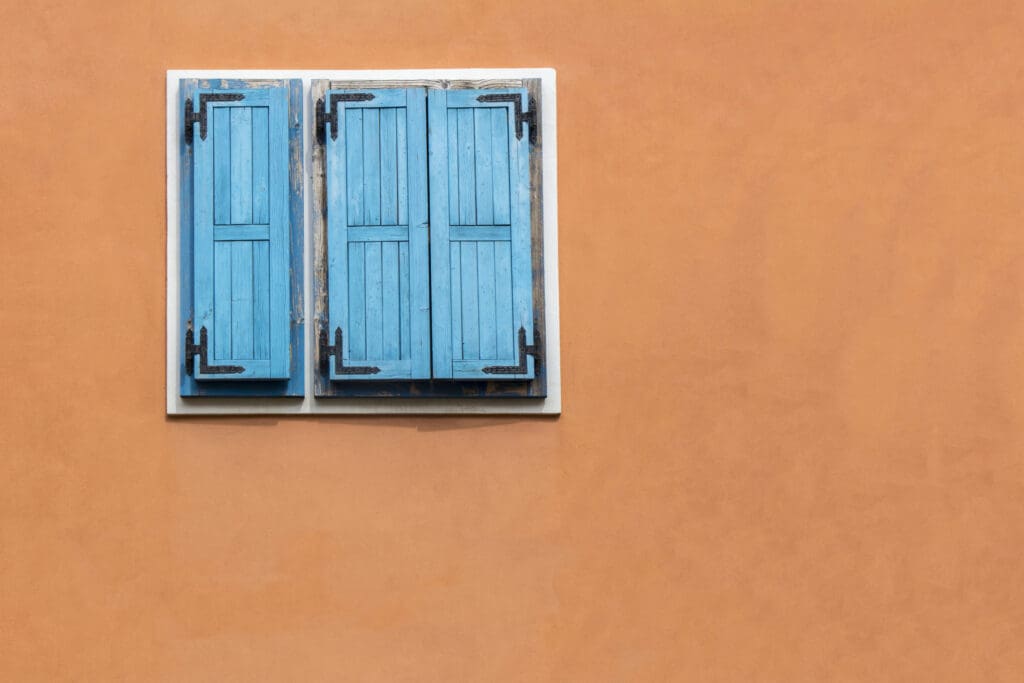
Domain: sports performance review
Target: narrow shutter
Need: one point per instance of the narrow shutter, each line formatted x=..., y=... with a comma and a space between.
x=377, y=245
x=241, y=229
x=481, y=275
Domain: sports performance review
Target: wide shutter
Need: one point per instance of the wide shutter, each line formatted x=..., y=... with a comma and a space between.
x=241, y=230
x=481, y=275
x=377, y=243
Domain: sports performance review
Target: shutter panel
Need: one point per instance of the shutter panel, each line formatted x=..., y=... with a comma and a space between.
x=241, y=230
x=377, y=245
x=481, y=274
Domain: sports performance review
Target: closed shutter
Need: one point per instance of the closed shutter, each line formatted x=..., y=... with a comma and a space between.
x=481, y=275
x=240, y=234
x=377, y=234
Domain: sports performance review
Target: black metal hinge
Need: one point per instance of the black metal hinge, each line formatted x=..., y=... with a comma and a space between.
x=192, y=117
x=192, y=350
x=328, y=350
x=522, y=117
x=520, y=369
x=323, y=118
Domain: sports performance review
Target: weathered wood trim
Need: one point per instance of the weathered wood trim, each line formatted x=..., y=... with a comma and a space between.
x=540, y=382
x=433, y=84
x=321, y=317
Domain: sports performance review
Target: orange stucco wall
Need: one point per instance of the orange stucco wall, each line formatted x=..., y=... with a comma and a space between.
x=792, y=273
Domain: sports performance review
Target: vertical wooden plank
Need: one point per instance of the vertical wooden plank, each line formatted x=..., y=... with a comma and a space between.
x=470, y=304
x=404, y=321
x=241, y=165
x=455, y=278
x=280, y=155
x=354, y=163
x=260, y=165
x=467, y=163
x=500, y=165
x=505, y=329
x=522, y=259
x=538, y=385
x=483, y=172
x=419, y=233
x=451, y=166
x=187, y=232
x=371, y=167
x=442, y=264
x=221, y=131
x=221, y=332
x=339, y=254
x=390, y=303
x=202, y=310
x=388, y=168
x=295, y=345
x=355, y=335
x=374, y=302
x=402, y=147
x=241, y=300
x=261, y=300
x=485, y=298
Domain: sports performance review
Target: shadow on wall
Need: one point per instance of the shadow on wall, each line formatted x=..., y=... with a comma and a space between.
x=421, y=423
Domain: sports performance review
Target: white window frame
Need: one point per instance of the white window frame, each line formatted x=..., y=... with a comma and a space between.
x=309, y=404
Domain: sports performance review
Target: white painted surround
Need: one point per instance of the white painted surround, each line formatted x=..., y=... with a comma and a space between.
x=552, y=405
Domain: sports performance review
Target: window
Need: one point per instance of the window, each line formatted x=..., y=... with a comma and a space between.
x=428, y=242
x=425, y=281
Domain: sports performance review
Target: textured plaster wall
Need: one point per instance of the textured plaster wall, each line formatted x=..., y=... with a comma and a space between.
x=793, y=365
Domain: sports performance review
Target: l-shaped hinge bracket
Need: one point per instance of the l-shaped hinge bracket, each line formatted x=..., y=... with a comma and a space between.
x=323, y=117
x=522, y=117
x=524, y=350
x=192, y=350
x=193, y=117
x=336, y=350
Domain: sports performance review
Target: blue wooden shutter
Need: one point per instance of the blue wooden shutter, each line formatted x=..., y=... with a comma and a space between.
x=481, y=274
x=241, y=230
x=377, y=244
